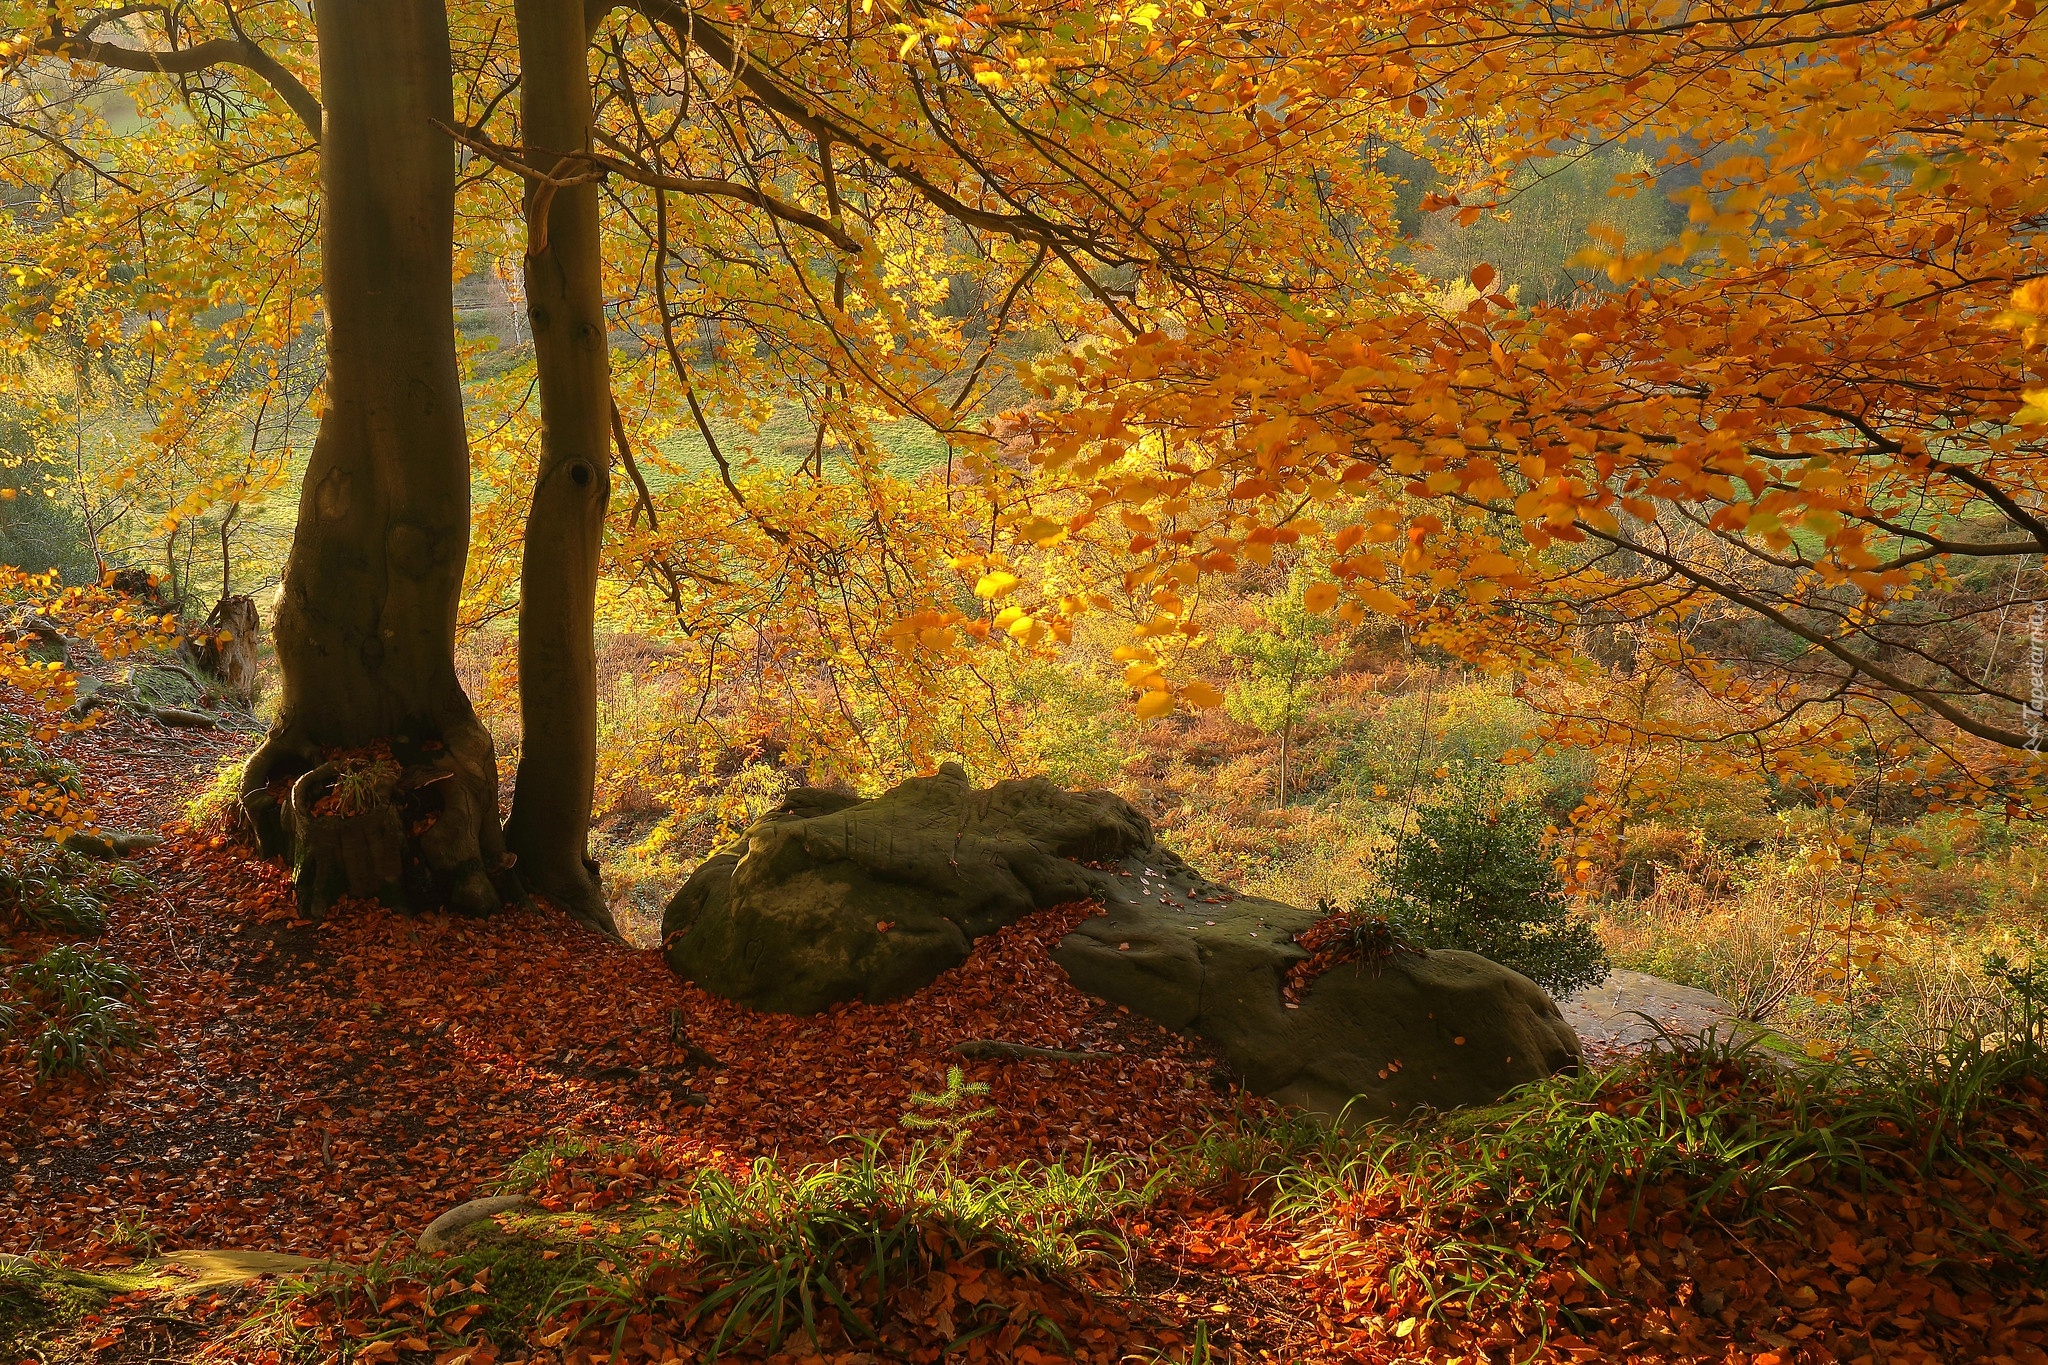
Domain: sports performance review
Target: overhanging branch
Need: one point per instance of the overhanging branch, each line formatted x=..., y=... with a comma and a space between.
x=184, y=61
x=1857, y=663
x=598, y=165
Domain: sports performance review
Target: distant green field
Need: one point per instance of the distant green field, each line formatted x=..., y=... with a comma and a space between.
x=784, y=442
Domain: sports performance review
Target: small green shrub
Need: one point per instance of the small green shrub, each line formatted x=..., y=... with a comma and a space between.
x=1474, y=874
x=953, y=1111
x=74, y=1009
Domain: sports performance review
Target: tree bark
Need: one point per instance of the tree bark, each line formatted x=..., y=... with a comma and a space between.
x=1286, y=741
x=365, y=626
x=550, y=825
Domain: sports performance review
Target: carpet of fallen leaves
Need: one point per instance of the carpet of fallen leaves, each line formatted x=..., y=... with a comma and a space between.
x=320, y=1088
x=330, y=1088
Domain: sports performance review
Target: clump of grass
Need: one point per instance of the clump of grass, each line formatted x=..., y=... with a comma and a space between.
x=50, y=889
x=535, y=1165
x=74, y=1010
x=1734, y=1136
x=778, y=1249
x=751, y=1258
x=130, y=1231
x=219, y=802
x=24, y=763
x=39, y=1299
x=362, y=783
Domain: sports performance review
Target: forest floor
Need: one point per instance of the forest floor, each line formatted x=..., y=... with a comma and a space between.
x=326, y=1090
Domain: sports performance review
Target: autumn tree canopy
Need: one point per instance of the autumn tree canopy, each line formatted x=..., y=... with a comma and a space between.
x=1140, y=273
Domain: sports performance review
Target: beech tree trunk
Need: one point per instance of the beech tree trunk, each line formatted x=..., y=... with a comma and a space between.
x=550, y=825
x=365, y=627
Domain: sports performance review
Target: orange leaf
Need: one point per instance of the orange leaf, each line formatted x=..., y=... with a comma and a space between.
x=1156, y=702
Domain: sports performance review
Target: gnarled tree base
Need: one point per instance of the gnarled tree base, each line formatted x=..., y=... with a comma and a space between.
x=426, y=836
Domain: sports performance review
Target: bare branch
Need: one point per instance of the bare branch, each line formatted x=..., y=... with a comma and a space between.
x=239, y=51
x=600, y=165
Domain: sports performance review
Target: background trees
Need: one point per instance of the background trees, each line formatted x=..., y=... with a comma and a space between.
x=1282, y=657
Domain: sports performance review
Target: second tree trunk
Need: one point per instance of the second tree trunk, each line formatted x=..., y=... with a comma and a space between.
x=550, y=825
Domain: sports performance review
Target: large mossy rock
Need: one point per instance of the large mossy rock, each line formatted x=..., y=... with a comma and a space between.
x=830, y=898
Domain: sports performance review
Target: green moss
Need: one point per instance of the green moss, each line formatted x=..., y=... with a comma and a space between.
x=41, y=1301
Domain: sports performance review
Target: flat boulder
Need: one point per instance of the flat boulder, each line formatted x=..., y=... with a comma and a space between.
x=1372, y=1039
x=830, y=898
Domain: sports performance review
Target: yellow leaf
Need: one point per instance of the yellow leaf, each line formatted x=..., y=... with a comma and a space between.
x=1491, y=565
x=1382, y=601
x=1040, y=531
x=1201, y=694
x=1320, y=597
x=994, y=585
x=1154, y=703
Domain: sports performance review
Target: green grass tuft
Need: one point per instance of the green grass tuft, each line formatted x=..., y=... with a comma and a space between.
x=40, y=1299
x=1747, y=1135
x=74, y=1009
x=759, y=1257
